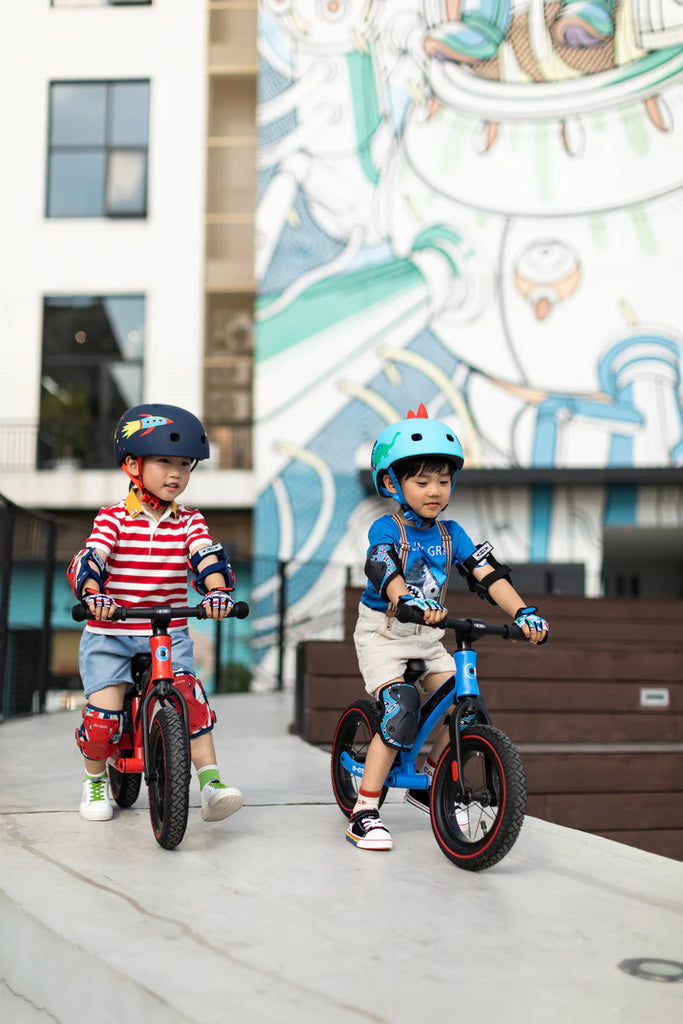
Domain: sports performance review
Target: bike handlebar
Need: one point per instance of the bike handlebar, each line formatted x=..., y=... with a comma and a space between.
x=466, y=628
x=80, y=612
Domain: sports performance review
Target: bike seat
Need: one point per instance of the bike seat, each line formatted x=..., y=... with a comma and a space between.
x=414, y=669
x=139, y=665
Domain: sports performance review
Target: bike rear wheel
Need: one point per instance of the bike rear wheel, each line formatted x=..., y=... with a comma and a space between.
x=477, y=829
x=169, y=777
x=355, y=729
x=125, y=786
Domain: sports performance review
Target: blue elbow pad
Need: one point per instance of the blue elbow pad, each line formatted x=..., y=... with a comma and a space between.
x=222, y=565
x=86, y=565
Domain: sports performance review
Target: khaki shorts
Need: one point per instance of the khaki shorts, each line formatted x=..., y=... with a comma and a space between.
x=384, y=645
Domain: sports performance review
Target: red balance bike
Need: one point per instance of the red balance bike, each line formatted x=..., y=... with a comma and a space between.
x=156, y=739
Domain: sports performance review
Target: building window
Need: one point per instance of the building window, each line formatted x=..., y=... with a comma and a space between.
x=101, y=3
x=99, y=135
x=92, y=371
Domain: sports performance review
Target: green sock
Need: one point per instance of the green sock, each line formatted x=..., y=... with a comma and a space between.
x=210, y=773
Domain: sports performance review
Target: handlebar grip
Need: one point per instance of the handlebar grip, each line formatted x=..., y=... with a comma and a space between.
x=404, y=613
x=79, y=613
x=514, y=632
x=239, y=610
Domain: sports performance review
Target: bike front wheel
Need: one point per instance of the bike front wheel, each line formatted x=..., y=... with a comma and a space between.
x=477, y=822
x=169, y=777
x=355, y=729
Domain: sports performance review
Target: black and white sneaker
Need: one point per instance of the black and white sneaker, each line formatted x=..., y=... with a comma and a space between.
x=418, y=798
x=367, y=831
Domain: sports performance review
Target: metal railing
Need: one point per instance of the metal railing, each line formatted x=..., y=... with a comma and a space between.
x=25, y=446
x=25, y=654
x=18, y=444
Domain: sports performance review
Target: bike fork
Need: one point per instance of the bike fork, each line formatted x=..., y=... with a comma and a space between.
x=465, y=709
x=160, y=689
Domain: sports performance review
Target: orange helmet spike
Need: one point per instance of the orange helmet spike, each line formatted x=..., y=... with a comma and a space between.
x=421, y=413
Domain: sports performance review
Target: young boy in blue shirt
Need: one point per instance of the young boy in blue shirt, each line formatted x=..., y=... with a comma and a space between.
x=415, y=462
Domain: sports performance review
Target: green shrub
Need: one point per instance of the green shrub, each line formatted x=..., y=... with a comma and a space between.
x=234, y=678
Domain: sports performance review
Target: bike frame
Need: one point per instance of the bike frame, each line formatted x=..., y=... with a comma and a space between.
x=156, y=684
x=458, y=700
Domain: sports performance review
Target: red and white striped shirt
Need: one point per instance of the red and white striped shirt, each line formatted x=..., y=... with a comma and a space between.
x=146, y=558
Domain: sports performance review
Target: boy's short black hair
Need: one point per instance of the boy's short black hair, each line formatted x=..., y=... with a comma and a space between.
x=423, y=464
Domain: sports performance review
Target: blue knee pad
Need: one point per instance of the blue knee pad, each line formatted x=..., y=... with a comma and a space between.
x=400, y=720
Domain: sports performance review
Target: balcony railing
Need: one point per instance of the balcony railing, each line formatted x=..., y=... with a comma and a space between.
x=18, y=444
x=25, y=446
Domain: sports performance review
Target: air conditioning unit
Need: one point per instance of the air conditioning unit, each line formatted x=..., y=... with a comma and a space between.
x=225, y=401
x=231, y=332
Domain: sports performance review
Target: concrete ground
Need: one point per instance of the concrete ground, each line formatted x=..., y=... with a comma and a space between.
x=270, y=916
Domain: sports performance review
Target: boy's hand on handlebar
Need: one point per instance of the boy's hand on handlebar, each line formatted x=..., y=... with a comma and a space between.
x=100, y=606
x=217, y=604
x=432, y=611
x=534, y=627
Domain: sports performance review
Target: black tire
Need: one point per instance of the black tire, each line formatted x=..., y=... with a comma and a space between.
x=477, y=832
x=355, y=729
x=125, y=786
x=169, y=781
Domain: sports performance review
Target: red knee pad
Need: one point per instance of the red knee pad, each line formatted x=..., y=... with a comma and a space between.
x=100, y=732
x=201, y=716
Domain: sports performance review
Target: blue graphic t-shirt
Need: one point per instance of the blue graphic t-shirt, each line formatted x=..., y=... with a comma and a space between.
x=426, y=570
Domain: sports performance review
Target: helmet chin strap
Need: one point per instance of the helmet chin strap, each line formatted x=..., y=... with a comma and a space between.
x=145, y=495
x=407, y=511
x=413, y=517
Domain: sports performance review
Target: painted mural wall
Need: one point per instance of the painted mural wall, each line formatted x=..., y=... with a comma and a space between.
x=477, y=204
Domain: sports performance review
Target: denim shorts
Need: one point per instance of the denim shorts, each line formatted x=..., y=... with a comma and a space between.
x=105, y=660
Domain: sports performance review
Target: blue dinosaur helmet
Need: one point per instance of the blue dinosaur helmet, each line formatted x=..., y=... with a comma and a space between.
x=415, y=436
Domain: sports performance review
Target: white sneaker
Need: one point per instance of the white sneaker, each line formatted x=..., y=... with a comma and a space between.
x=367, y=831
x=418, y=798
x=95, y=804
x=219, y=801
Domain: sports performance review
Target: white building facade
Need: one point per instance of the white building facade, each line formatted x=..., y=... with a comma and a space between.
x=103, y=197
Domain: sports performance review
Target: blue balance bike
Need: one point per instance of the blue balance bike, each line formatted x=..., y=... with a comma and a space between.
x=478, y=792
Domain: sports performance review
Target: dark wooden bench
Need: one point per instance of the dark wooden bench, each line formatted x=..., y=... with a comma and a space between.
x=601, y=753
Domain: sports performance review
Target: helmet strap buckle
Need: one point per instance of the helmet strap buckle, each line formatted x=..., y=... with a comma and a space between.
x=146, y=497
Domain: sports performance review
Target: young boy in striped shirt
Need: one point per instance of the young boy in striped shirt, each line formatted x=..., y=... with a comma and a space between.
x=137, y=554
